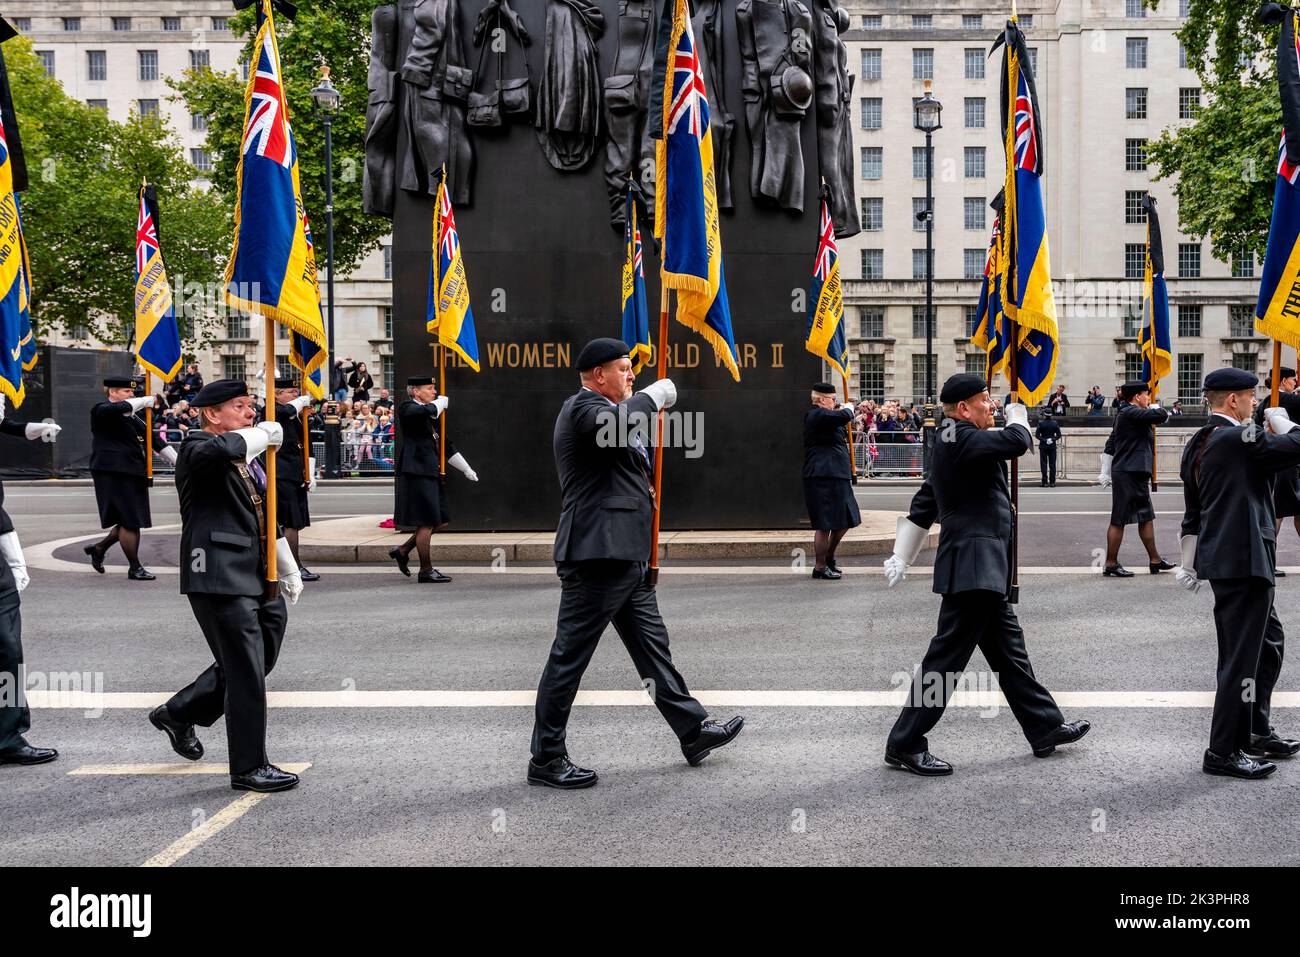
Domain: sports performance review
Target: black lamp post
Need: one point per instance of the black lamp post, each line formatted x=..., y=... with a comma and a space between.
x=926, y=118
x=327, y=100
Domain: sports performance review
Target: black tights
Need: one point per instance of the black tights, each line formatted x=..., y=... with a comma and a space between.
x=419, y=540
x=291, y=536
x=1115, y=536
x=128, y=538
x=825, y=543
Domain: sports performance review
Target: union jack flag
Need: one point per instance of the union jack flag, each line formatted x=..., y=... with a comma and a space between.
x=146, y=238
x=637, y=262
x=689, y=99
x=1026, y=128
x=448, y=241
x=826, y=251
x=1285, y=168
x=267, y=132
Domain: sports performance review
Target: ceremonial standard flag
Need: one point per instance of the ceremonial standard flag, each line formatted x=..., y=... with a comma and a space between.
x=636, y=317
x=17, y=345
x=448, y=315
x=157, y=337
x=1157, y=355
x=686, y=198
x=272, y=269
x=1277, y=311
x=988, y=333
x=825, y=335
x=1026, y=281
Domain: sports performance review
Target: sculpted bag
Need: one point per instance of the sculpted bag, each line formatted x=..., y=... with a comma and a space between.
x=516, y=94
x=458, y=82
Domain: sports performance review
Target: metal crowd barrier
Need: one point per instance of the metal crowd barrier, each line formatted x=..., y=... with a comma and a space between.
x=888, y=454
x=362, y=453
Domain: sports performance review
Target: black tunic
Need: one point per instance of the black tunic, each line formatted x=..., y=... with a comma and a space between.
x=419, y=491
x=117, y=465
x=1132, y=445
x=290, y=489
x=1286, y=485
x=827, y=471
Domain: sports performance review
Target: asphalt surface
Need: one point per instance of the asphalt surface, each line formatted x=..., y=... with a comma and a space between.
x=803, y=784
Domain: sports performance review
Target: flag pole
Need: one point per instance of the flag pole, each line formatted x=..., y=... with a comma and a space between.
x=148, y=426
x=853, y=465
x=442, y=349
x=652, y=574
x=306, y=429
x=1015, y=474
x=268, y=386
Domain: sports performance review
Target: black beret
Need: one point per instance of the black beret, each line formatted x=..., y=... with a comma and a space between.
x=284, y=382
x=962, y=386
x=599, y=351
x=119, y=382
x=419, y=380
x=1131, y=390
x=1286, y=373
x=825, y=388
x=1230, y=380
x=222, y=390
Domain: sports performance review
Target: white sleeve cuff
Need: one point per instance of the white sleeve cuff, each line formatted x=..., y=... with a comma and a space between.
x=255, y=440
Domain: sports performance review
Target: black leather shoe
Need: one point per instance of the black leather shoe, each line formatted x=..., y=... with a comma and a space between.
x=1271, y=746
x=434, y=576
x=1160, y=566
x=307, y=576
x=1116, y=571
x=560, y=773
x=710, y=737
x=833, y=565
x=96, y=558
x=28, y=755
x=140, y=574
x=1236, y=765
x=184, y=741
x=827, y=574
x=924, y=763
x=266, y=778
x=1065, y=734
x=1278, y=573
x=403, y=561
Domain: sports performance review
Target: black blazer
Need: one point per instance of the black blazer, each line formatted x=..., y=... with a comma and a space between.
x=288, y=458
x=361, y=384
x=7, y=581
x=825, y=443
x=1048, y=429
x=419, y=432
x=1132, y=441
x=117, y=439
x=607, y=497
x=1228, y=497
x=222, y=545
x=967, y=492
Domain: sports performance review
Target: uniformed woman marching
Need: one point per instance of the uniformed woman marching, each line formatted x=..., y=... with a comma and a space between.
x=827, y=477
x=420, y=490
x=117, y=465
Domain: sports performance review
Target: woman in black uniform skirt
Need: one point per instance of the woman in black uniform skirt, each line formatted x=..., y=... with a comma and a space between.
x=292, y=509
x=117, y=465
x=420, y=492
x=827, y=477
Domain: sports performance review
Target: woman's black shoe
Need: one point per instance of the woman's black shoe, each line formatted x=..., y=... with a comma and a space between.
x=1160, y=566
x=827, y=573
x=433, y=576
x=1116, y=571
x=402, y=561
x=833, y=565
x=140, y=574
x=96, y=557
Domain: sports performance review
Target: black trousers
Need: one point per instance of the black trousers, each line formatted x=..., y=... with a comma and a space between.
x=1047, y=462
x=244, y=635
x=15, y=717
x=967, y=620
x=1250, y=660
x=594, y=594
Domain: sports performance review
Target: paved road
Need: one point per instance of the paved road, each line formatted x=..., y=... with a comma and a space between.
x=401, y=777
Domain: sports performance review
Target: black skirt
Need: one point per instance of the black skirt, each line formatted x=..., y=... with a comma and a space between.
x=123, y=500
x=291, y=505
x=419, y=502
x=1286, y=493
x=1130, y=498
x=831, y=504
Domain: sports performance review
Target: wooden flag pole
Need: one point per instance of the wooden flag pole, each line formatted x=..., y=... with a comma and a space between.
x=148, y=427
x=1015, y=470
x=442, y=419
x=306, y=429
x=853, y=465
x=442, y=349
x=1276, y=385
x=268, y=381
x=652, y=574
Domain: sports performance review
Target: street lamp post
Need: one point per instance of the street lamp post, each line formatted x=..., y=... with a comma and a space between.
x=926, y=118
x=327, y=100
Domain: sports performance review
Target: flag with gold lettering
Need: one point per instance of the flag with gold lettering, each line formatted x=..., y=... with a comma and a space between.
x=1277, y=310
x=157, y=336
x=17, y=344
x=448, y=314
x=636, y=315
x=824, y=335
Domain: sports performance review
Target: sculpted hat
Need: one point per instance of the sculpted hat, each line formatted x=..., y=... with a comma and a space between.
x=1230, y=380
x=119, y=382
x=824, y=388
x=222, y=390
x=1131, y=390
x=962, y=386
x=599, y=351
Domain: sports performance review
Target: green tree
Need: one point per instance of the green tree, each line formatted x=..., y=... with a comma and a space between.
x=79, y=211
x=333, y=33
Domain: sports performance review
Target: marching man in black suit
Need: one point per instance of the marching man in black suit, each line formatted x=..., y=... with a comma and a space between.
x=117, y=465
x=1126, y=466
x=1286, y=485
x=1229, y=538
x=223, y=572
x=967, y=493
x=828, y=478
x=290, y=488
x=15, y=716
x=602, y=546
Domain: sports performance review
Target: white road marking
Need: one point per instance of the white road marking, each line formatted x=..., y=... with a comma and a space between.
x=210, y=828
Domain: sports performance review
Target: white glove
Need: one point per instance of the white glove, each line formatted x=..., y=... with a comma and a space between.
x=168, y=454
x=1279, y=421
x=274, y=433
x=141, y=403
x=12, y=553
x=663, y=392
x=441, y=403
x=311, y=470
x=46, y=431
x=1103, y=477
x=846, y=405
x=1016, y=414
x=458, y=462
x=1185, y=573
x=302, y=402
x=256, y=439
x=286, y=568
x=907, y=545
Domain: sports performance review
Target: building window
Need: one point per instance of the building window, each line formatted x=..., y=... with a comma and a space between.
x=975, y=363
x=922, y=376
x=1189, y=260
x=1135, y=53
x=1189, y=376
x=201, y=159
x=243, y=70
x=148, y=60
x=871, y=378
x=386, y=321
x=238, y=326
x=872, y=162
x=98, y=105
x=387, y=375
x=47, y=62
x=1182, y=56
x=221, y=23
x=870, y=64
x=1033, y=61
x=974, y=112
x=199, y=59
x=1134, y=10
x=918, y=162
x=1135, y=155
x=918, y=317
x=974, y=156
x=1248, y=361
x=1189, y=321
x=147, y=107
x=1243, y=264
x=974, y=63
x=121, y=24
x=232, y=367
x=923, y=63
x=1183, y=7
x=22, y=24
x=1132, y=322
x=972, y=314
x=72, y=24
x=870, y=111
x=1026, y=21
x=918, y=264
x=872, y=322
x=1134, y=211
x=171, y=24
x=96, y=66
x=922, y=21
x=1241, y=321
x=918, y=213
x=873, y=213
x=873, y=264
x=1132, y=366
x=972, y=261
x=872, y=21
x=1135, y=103
x=1135, y=260
x=198, y=122
x=388, y=262
x=1189, y=102
x=972, y=21
x=973, y=212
